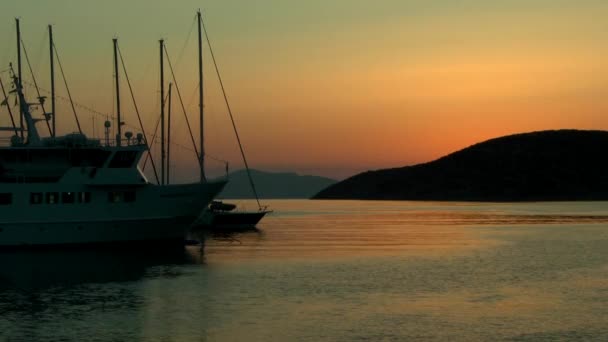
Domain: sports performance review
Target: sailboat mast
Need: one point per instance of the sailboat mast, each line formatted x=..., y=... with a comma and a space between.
x=169, y=135
x=52, y=80
x=119, y=135
x=200, y=96
x=19, y=75
x=162, y=113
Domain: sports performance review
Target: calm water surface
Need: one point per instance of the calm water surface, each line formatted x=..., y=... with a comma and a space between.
x=332, y=271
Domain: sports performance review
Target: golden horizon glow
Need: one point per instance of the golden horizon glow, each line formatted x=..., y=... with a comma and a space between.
x=335, y=88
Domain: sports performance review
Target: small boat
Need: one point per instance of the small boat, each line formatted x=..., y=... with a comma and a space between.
x=220, y=215
x=225, y=216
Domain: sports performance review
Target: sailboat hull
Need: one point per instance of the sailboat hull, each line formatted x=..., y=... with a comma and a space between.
x=230, y=220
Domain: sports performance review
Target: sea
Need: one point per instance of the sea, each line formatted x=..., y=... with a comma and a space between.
x=331, y=271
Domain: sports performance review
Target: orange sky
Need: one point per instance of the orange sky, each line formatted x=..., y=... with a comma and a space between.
x=335, y=88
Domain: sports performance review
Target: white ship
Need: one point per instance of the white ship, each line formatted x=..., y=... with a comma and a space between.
x=75, y=190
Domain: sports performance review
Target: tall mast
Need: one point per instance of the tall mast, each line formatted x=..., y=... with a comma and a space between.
x=200, y=96
x=19, y=75
x=119, y=135
x=52, y=80
x=169, y=136
x=162, y=113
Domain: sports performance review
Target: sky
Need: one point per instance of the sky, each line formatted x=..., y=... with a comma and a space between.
x=329, y=88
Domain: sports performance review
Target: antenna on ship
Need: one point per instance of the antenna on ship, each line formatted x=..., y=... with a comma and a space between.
x=106, y=126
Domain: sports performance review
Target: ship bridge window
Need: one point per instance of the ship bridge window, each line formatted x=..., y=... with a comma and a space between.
x=84, y=197
x=114, y=197
x=121, y=196
x=36, y=198
x=6, y=198
x=88, y=157
x=52, y=197
x=123, y=159
x=68, y=197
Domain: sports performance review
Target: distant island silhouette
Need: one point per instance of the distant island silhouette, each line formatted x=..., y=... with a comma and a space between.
x=539, y=166
x=280, y=185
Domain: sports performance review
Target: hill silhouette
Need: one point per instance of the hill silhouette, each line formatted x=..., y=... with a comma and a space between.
x=537, y=166
x=273, y=185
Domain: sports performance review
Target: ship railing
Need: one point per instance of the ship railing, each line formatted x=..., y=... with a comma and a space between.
x=123, y=143
x=10, y=142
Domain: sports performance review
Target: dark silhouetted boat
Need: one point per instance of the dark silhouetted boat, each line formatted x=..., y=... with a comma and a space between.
x=226, y=216
x=71, y=189
x=220, y=215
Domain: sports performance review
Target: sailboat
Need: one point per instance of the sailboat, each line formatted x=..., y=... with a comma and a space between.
x=72, y=189
x=220, y=215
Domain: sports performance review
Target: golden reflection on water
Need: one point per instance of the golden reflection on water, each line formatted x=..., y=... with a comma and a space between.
x=322, y=229
x=436, y=271
x=340, y=271
x=340, y=236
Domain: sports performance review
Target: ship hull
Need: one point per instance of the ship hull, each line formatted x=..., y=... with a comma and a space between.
x=156, y=214
x=81, y=232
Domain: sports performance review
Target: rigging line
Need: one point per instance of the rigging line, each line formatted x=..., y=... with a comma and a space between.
x=179, y=95
x=188, y=105
x=79, y=105
x=124, y=68
x=183, y=49
x=9, y=52
x=67, y=88
x=149, y=155
x=153, y=138
x=217, y=70
x=40, y=98
x=86, y=108
x=40, y=52
x=10, y=112
x=216, y=159
x=206, y=155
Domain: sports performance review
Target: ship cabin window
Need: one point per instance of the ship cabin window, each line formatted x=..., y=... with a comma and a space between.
x=36, y=198
x=129, y=196
x=123, y=159
x=6, y=198
x=52, y=197
x=114, y=197
x=84, y=197
x=121, y=196
x=68, y=197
